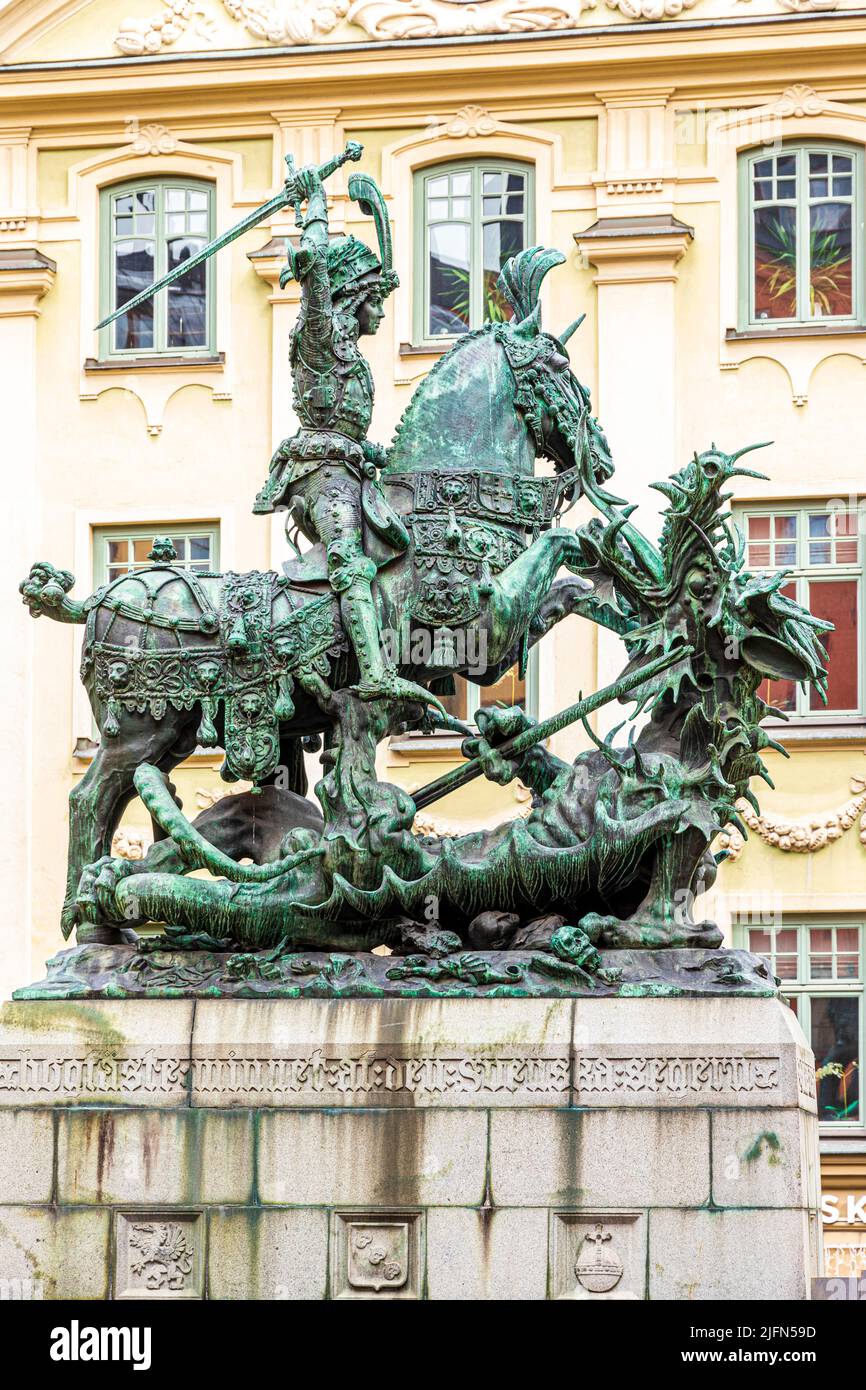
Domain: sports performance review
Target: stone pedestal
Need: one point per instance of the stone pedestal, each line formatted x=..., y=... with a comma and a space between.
x=661, y=1148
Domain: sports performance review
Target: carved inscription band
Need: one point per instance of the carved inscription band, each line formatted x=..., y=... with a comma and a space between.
x=32, y=1074
x=676, y=1075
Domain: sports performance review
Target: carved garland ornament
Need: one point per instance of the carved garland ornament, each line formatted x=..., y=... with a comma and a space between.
x=307, y=21
x=805, y=836
x=291, y=22
x=650, y=9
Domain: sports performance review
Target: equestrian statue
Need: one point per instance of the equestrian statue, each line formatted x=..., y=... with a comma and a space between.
x=420, y=556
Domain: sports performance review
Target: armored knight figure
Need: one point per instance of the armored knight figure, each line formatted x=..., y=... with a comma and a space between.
x=325, y=475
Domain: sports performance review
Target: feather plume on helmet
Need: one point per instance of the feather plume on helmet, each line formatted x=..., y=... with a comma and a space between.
x=352, y=266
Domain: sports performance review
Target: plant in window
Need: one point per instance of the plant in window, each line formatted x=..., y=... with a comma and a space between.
x=830, y=283
x=804, y=208
x=475, y=217
x=776, y=266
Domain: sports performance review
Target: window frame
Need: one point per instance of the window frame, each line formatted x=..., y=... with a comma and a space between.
x=801, y=148
x=801, y=574
x=805, y=990
x=421, y=278
x=107, y=283
x=101, y=536
x=474, y=691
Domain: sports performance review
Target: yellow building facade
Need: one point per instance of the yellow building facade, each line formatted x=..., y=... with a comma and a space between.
x=700, y=164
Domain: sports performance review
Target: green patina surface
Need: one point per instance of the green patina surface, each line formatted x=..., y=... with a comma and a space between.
x=442, y=544
x=123, y=973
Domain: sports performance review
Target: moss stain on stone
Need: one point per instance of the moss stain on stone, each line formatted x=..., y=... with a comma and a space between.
x=773, y=1149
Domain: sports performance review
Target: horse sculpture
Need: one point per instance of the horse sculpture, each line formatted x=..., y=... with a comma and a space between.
x=251, y=662
x=617, y=846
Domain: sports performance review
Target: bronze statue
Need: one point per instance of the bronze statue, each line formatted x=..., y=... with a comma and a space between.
x=456, y=546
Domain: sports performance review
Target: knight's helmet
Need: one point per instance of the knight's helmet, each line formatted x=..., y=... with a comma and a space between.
x=350, y=261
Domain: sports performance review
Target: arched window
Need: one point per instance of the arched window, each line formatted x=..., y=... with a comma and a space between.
x=148, y=227
x=471, y=216
x=802, y=235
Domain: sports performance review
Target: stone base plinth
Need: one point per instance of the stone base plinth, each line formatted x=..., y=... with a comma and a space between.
x=661, y=1148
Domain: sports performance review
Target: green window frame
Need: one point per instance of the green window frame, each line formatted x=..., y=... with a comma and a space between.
x=822, y=966
x=476, y=202
x=820, y=545
x=123, y=549
x=794, y=270
x=150, y=219
x=470, y=696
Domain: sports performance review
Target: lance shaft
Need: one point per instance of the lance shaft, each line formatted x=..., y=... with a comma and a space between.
x=521, y=743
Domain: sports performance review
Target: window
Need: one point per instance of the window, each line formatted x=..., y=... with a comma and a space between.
x=821, y=970
x=149, y=228
x=802, y=242
x=510, y=689
x=474, y=216
x=823, y=548
x=124, y=550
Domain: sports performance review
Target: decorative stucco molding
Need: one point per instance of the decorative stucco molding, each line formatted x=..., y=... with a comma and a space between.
x=639, y=186
x=154, y=140
x=804, y=836
x=799, y=100
x=429, y=19
x=129, y=844
x=800, y=6
x=298, y=22
x=139, y=36
x=206, y=797
x=469, y=120
x=288, y=22
x=651, y=9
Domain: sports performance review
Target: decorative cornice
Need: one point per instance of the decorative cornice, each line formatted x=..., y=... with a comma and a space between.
x=269, y=262
x=639, y=186
x=26, y=276
x=635, y=249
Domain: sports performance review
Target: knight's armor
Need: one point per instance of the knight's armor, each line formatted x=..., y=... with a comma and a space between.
x=325, y=474
x=332, y=385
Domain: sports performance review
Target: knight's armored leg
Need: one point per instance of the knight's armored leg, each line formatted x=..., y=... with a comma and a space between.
x=361, y=621
x=335, y=509
x=352, y=578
